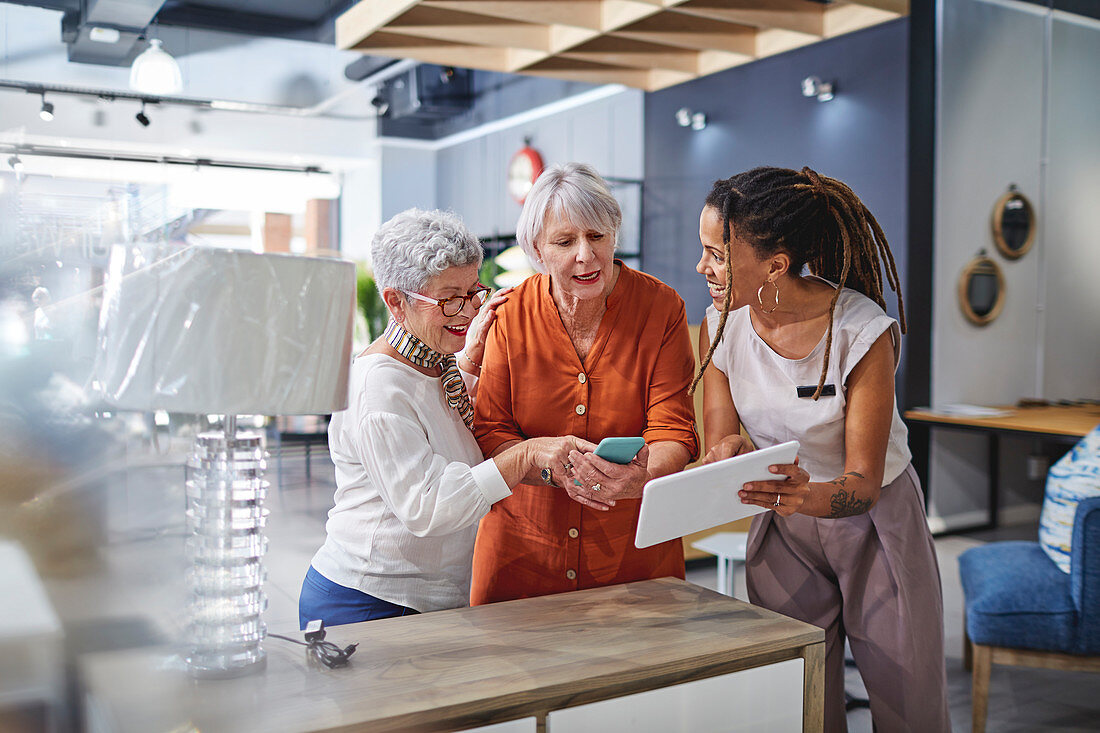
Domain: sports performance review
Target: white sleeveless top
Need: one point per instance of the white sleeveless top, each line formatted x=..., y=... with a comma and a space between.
x=764, y=386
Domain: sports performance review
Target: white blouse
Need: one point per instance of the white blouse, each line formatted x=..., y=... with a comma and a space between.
x=764, y=386
x=411, y=487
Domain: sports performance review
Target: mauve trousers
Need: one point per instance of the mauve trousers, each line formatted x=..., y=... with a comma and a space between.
x=874, y=579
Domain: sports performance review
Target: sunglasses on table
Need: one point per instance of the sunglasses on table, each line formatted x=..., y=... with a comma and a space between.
x=453, y=306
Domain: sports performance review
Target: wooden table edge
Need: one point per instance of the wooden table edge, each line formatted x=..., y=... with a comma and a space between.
x=539, y=702
x=1005, y=423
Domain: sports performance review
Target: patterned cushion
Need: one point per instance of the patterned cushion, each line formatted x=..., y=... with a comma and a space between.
x=1072, y=479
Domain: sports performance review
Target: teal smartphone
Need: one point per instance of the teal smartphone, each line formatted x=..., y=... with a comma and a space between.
x=619, y=450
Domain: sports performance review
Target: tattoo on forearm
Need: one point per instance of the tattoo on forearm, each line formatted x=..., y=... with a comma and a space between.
x=844, y=503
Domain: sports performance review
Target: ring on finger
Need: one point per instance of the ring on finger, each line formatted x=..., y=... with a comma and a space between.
x=777, y=497
x=568, y=467
x=597, y=487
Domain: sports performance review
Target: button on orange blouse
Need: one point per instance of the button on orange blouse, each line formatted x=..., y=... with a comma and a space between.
x=633, y=382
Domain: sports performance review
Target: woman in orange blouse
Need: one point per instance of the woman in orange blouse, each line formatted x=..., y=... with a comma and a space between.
x=588, y=348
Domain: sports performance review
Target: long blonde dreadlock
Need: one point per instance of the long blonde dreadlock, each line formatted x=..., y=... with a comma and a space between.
x=817, y=221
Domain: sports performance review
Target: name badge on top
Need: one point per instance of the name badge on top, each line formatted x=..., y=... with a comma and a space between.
x=828, y=390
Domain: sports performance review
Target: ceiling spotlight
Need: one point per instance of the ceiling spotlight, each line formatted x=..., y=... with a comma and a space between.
x=142, y=117
x=15, y=163
x=698, y=121
x=155, y=71
x=46, y=113
x=683, y=117
x=812, y=86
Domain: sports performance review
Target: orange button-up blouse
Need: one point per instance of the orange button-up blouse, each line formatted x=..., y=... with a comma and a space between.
x=633, y=382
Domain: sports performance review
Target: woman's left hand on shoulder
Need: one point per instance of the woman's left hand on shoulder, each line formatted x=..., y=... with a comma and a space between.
x=784, y=496
x=607, y=480
x=479, y=326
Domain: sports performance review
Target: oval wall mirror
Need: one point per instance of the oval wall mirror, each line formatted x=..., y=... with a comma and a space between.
x=1013, y=224
x=981, y=290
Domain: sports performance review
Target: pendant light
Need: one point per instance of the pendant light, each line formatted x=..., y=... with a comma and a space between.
x=155, y=71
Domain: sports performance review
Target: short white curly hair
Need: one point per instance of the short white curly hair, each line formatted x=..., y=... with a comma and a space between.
x=574, y=192
x=415, y=246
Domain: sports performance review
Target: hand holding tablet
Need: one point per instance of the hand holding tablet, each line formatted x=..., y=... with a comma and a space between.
x=706, y=496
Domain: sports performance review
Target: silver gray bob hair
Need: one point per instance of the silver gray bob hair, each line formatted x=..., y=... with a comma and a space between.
x=415, y=246
x=574, y=192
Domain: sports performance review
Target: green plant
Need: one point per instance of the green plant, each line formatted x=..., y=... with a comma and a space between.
x=489, y=271
x=370, y=303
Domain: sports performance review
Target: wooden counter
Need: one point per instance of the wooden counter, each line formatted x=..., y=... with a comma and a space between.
x=457, y=669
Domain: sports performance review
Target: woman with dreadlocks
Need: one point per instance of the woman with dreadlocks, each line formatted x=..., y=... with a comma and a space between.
x=811, y=357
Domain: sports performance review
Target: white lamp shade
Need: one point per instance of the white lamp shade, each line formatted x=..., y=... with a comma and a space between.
x=155, y=71
x=216, y=331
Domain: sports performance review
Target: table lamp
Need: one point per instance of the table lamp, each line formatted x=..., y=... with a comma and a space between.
x=227, y=332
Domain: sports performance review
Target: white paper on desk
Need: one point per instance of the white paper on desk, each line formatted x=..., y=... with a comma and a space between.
x=705, y=496
x=963, y=410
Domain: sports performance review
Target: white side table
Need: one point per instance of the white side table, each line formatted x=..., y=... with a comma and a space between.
x=729, y=548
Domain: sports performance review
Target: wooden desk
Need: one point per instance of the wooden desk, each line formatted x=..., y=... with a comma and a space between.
x=1063, y=424
x=468, y=667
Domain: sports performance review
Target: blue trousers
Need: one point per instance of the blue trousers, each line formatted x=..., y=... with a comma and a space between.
x=334, y=604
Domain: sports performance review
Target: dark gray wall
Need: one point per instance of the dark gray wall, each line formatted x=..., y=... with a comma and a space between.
x=758, y=116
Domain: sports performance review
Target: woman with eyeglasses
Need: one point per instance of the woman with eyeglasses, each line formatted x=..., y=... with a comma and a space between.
x=591, y=348
x=411, y=480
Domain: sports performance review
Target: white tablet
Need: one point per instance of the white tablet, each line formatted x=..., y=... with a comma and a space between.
x=706, y=496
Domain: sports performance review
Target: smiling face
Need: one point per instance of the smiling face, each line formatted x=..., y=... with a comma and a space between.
x=427, y=322
x=580, y=261
x=749, y=271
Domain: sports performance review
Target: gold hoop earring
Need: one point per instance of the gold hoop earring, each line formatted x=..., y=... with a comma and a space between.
x=760, y=297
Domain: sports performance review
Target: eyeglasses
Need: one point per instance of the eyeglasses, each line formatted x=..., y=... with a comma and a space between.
x=453, y=306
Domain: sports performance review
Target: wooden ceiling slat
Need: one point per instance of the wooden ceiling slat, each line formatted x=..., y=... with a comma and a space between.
x=711, y=62
x=897, y=7
x=444, y=53
x=386, y=40
x=649, y=44
x=614, y=44
x=660, y=78
x=565, y=37
x=843, y=19
x=596, y=75
x=478, y=30
x=519, y=58
x=561, y=63
x=687, y=62
x=689, y=31
x=365, y=17
x=617, y=13
x=792, y=15
x=577, y=13
x=580, y=70
x=777, y=40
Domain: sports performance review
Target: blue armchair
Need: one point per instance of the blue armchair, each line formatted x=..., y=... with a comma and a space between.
x=1021, y=609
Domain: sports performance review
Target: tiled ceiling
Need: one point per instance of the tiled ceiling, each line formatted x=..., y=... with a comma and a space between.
x=648, y=44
